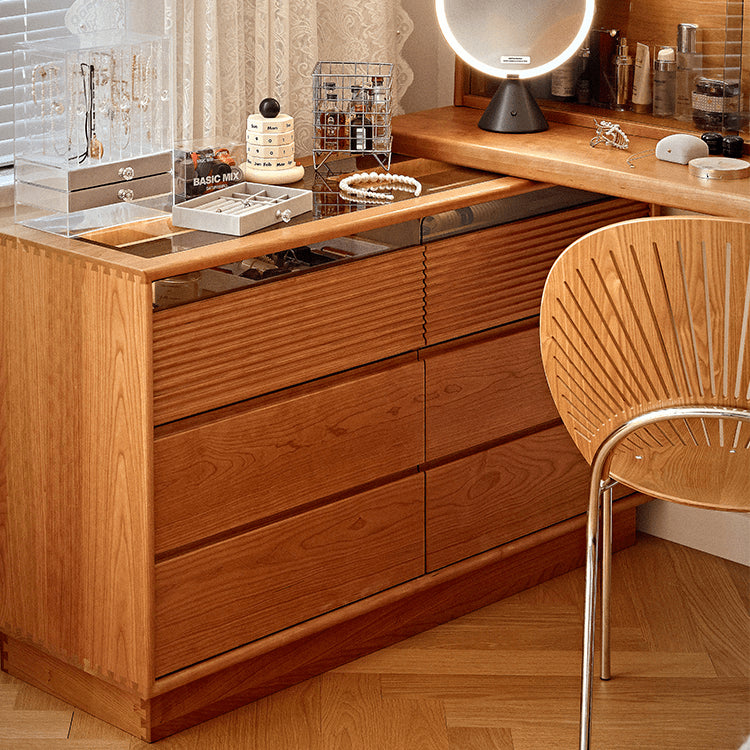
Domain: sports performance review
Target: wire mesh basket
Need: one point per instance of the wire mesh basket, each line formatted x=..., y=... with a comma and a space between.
x=352, y=110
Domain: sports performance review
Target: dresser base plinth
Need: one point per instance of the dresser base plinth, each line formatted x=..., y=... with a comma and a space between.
x=219, y=685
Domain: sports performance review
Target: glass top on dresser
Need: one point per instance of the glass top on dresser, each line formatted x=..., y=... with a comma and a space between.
x=146, y=229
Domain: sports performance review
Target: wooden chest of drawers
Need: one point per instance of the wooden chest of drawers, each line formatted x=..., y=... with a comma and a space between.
x=270, y=456
x=204, y=504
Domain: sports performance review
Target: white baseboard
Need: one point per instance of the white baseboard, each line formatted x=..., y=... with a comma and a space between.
x=719, y=533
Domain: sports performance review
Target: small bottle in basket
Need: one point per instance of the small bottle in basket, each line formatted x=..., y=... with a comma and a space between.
x=381, y=141
x=360, y=125
x=332, y=131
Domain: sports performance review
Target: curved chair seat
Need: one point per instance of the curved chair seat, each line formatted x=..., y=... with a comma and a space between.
x=645, y=336
x=714, y=475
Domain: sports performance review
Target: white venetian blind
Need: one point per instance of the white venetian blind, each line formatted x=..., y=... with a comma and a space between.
x=22, y=20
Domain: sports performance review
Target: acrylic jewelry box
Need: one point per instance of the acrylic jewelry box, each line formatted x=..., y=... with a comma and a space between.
x=92, y=116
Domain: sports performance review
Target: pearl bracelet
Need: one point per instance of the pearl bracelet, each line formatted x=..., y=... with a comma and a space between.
x=373, y=185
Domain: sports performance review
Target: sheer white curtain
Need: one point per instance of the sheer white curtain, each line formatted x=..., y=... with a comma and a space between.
x=231, y=54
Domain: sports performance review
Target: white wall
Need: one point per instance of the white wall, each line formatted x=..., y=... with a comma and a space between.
x=430, y=58
x=720, y=533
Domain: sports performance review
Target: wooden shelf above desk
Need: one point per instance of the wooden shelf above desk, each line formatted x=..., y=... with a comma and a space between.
x=562, y=155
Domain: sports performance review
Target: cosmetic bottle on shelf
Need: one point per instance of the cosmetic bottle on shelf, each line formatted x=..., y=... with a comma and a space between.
x=583, y=84
x=563, y=80
x=715, y=104
x=623, y=76
x=602, y=52
x=688, y=70
x=665, y=81
x=642, y=86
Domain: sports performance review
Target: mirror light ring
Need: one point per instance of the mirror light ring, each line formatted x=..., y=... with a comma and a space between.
x=496, y=72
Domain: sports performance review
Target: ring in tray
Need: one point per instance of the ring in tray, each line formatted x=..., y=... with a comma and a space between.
x=241, y=209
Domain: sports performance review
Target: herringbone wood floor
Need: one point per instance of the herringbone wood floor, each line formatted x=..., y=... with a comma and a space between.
x=503, y=678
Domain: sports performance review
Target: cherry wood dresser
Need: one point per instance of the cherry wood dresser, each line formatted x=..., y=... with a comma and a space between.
x=205, y=503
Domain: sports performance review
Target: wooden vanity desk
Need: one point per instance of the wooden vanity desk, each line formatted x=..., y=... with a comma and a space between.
x=562, y=155
x=203, y=503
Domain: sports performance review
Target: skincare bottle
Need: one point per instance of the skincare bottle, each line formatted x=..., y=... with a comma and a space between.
x=623, y=67
x=641, y=101
x=665, y=81
x=688, y=70
x=563, y=80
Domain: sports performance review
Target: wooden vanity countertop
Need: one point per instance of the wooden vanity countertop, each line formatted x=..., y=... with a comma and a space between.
x=563, y=155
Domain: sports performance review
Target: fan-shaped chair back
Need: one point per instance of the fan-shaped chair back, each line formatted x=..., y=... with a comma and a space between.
x=651, y=314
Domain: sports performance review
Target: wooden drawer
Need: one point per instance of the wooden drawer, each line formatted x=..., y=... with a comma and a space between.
x=484, y=388
x=495, y=276
x=227, y=594
x=224, y=350
x=489, y=498
x=275, y=453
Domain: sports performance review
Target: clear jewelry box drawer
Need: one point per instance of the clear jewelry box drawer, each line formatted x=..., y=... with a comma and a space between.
x=32, y=194
x=92, y=175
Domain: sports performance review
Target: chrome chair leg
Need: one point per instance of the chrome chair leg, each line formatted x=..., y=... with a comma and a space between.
x=606, y=577
x=592, y=554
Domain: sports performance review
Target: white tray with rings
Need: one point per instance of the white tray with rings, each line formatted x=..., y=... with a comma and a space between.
x=241, y=209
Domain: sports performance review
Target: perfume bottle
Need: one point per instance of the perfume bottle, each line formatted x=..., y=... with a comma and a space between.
x=665, y=82
x=360, y=125
x=688, y=70
x=380, y=120
x=583, y=84
x=623, y=76
x=332, y=131
x=602, y=52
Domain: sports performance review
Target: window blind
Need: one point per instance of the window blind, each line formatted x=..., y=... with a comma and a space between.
x=20, y=21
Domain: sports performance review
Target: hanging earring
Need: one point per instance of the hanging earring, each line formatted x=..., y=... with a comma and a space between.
x=55, y=92
x=96, y=147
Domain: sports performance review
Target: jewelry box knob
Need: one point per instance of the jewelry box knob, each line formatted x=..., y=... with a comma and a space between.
x=125, y=194
x=285, y=216
x=127, y=173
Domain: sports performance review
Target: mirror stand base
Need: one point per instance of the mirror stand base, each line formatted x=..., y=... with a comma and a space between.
x=513, y=109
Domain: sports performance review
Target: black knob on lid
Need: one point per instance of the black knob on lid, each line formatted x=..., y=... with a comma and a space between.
x=269, y=107
x=714, y=142
x=732, y=146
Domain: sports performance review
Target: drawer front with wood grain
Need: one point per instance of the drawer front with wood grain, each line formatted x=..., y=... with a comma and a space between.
x=489, y=498
x=226, y=594
x=484, y=388
x=223, y=350
x=495, y=276
x=272, y=454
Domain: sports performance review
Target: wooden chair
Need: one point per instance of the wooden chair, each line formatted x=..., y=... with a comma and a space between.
x=645, y=335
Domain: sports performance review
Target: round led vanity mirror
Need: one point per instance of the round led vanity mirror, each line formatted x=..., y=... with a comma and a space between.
x=514, y=40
